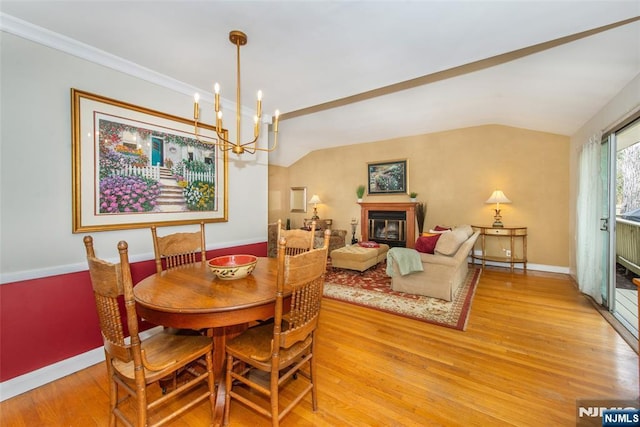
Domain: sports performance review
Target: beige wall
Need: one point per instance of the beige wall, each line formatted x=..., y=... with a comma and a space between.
x=45, y=128
x=278, y=193
x=454, y=172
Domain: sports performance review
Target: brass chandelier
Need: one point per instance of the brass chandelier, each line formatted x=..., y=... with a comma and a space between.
x=238, y=38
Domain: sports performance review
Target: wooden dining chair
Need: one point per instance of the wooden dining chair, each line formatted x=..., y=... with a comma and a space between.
x=136, y=366
x=285, y=348
x=298, y=241
x=174, y=250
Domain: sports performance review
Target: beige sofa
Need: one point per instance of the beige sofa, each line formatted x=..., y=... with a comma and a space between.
x=444, y=271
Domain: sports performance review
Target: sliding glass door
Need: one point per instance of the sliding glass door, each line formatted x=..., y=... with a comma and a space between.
x=621, y=222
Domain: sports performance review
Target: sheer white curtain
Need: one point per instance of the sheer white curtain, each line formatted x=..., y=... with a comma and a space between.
x=589, y=237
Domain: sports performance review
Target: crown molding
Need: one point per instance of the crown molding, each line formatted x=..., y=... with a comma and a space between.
x=34, y=33
x=26, y=30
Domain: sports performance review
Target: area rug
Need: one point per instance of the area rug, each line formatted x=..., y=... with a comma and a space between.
x=373, y=289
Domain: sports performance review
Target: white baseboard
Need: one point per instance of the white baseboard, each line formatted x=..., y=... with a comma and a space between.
x=530, y=266
x=42, y=376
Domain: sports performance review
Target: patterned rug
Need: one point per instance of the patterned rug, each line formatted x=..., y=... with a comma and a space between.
x=373, y=289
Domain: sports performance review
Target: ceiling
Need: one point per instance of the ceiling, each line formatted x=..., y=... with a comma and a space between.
x=467, y=58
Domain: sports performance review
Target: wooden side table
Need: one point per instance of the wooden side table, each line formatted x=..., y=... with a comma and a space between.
x=512, y=233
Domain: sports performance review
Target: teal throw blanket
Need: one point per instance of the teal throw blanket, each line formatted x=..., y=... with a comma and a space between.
x=408, y=261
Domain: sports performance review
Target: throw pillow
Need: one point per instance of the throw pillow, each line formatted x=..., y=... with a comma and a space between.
x=427, y=244
x=450, y=242
x=466, y=228
x=369, y=244
x=439, y=229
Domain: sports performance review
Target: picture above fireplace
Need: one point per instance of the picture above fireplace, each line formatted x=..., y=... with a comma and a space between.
x=387, y=177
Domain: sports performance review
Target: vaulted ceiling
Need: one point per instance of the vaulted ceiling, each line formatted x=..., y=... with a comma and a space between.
x=349, y=72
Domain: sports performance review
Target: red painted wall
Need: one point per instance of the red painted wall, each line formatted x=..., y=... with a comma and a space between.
x=46, y=320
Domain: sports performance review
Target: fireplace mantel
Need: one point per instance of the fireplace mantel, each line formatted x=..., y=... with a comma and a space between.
x=408, y=207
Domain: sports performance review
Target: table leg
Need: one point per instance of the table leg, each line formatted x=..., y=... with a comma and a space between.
x=220, y=336
x=484, y=256
x=513, y=254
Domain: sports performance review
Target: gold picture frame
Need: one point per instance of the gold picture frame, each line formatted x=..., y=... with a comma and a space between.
x=298, y=199
x=133, y=167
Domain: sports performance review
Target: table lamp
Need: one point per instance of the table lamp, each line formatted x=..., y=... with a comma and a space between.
x=354, y=224
x=314, y=201
x=498, y=197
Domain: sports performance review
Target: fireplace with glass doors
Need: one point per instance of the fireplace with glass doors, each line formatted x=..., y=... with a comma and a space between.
x=389, y=223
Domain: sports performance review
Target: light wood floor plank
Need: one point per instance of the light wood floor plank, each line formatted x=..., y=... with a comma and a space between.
x=533, y=346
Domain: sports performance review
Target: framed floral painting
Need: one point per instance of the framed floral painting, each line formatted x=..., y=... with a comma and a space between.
x=134, y=167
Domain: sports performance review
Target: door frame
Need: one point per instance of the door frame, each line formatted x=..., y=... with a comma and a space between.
x=609, y=148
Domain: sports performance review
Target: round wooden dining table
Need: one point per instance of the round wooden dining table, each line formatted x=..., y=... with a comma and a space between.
x=192, y=297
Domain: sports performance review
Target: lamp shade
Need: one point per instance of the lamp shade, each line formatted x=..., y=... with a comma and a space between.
x=315, y=200
x=498, y=197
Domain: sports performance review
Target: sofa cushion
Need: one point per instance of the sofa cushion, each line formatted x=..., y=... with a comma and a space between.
x=427, y=244
x=466, y=228
x=449, y=242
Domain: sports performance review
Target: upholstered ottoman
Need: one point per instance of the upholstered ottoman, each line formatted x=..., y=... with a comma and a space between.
x=356, y=257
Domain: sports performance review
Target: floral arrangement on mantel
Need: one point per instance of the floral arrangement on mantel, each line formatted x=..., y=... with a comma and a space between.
x=360, y=191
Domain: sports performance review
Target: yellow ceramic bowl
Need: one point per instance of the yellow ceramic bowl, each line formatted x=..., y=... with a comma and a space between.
x=230, y=267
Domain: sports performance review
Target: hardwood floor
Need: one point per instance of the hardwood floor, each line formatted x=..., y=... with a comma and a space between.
x=533, y=346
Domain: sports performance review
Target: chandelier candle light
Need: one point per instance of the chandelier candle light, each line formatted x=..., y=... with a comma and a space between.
x=238, y=38
x=498, y=197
